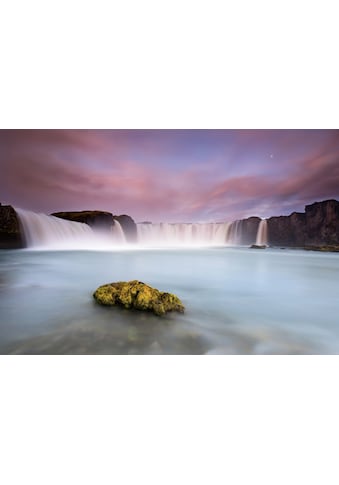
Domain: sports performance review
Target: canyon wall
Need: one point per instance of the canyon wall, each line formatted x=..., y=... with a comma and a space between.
x=318, y=225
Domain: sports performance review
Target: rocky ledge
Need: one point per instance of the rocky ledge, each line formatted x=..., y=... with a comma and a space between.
x=138, y=295
x=95, y=219
x=327, y=249
x=317, y=226
x=102, y=220
x=10, y=233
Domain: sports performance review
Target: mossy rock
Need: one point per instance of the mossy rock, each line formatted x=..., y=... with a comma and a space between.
x=138, y=295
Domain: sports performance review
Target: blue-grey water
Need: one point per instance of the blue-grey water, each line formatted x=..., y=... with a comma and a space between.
x=238, y=301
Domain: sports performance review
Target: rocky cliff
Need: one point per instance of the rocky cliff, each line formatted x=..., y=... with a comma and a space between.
x=129, y=227
x=287, y=230
x=249, y=229
x=95, y=219
x=322, y=223
x=319, y=225
x=103, y=221
x=10, y=232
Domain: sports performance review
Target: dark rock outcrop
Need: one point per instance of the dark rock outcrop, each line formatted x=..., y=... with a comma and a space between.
x=102, y=220
x=10, y=232
x=249, y=229
x=95, y=219
x=318, y=226
x=287, y=230
x=322, y=223
x=129, y=227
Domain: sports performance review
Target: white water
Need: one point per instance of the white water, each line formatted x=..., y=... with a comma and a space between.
x=48, y=232
x=183, y=234
x=262, y=234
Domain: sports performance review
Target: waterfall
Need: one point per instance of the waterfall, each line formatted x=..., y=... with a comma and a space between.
x=262, y=234
x=118, y=233
x=234, y=237
x=49, y=232
x=183, y=234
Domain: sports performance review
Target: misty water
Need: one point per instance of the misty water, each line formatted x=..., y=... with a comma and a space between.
x=238, y=301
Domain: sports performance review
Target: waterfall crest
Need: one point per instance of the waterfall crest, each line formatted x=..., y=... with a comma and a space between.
x=183, y=234
x=50, y=232
x=262, y=234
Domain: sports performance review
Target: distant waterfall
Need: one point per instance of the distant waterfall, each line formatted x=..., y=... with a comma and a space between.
x=118, y=233
x=262, y=234
x=235, y=233
x=183, y=234
x=49, y=232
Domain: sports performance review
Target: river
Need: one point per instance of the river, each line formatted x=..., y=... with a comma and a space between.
x=238, y=301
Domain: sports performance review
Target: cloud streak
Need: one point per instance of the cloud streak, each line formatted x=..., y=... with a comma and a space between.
x=169, y=175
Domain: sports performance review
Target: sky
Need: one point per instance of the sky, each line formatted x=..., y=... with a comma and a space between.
x=169, y=175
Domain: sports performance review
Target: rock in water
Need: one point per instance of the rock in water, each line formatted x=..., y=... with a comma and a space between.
x=138, y=295
x=258, y=246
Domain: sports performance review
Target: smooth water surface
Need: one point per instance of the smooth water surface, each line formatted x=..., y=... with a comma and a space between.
x=238, y=301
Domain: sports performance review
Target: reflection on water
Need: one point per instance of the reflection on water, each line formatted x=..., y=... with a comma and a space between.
x=238, y=301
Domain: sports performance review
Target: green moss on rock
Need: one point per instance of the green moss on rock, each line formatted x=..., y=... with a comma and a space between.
x=138, y=295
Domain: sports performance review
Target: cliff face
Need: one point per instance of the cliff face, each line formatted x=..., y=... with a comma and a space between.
x=129, y=227
x=103, y=221
x=319, y=225
x=249, y=229
x=95, y=219
x=287, y=230
x=10, y=233
x=322, y=223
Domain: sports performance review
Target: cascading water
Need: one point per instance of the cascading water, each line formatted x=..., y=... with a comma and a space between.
x=262, y=234
x=234, y=237
x=118, y=233
x=49, y=232
x=183, y=234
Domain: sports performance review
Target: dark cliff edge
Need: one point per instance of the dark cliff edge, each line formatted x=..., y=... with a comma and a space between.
x=10, y=231
x=95, y=219
x=249, y=229
x=129, y=227
x=102, y=220
x=287, y=230
x=317, y=226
